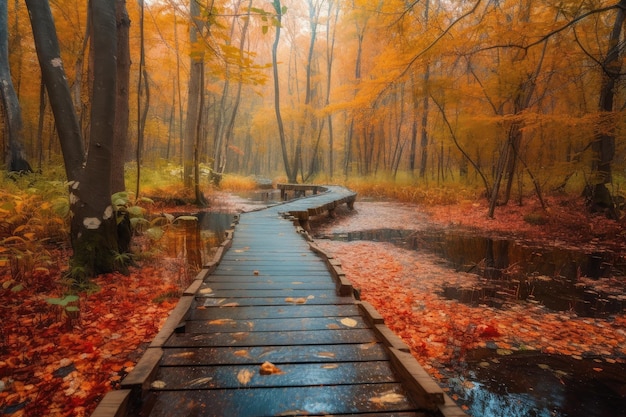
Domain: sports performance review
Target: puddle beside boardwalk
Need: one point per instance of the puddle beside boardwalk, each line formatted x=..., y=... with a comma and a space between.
x=196, y=241
x=513, y=271
x=495, y=382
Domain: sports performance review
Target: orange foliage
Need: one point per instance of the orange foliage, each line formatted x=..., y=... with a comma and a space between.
x=53, y=363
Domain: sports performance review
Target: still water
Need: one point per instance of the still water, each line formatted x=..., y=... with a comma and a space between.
x=527, y=384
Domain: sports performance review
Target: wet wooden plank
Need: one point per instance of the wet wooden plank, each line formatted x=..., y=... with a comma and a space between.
x=272, y=325
x=272, y=301
x=293, y=338
x=253, y=402
x=290, y=375
x=266, y=312
x=276, y=293
x=276, y=354
x=293, y=279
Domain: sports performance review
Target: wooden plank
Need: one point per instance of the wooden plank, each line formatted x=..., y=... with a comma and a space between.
x=272, y=325
x=272, y=301
x=275, y=354
x=284, y=280
x=253, y=402
x=293, y=338
x=237, y=313
x=114, y=404
x=422, y=386
x=140, y=378
x=275, y=293
x=209, y=287
x=291, y=375
x=176, y=317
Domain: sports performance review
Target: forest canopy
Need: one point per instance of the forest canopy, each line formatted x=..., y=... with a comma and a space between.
x=510, y=96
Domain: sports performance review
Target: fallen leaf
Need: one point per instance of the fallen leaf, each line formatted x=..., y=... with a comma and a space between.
x=158, y=384
x=206, y=291
x=388, y=398
x=330, y=366
x=268, y=368
x=242, y=353
x=326, y=355
x=183, y=355
x=292, y=300
x=199, y=381
x=348, y=322
x=221, y=322
x=244, y=376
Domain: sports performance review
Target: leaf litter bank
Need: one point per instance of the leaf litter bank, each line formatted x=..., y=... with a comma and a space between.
x=518, y=359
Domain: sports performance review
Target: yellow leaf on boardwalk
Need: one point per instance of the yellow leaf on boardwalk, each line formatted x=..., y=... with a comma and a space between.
x=244, y=376
x=348, y=322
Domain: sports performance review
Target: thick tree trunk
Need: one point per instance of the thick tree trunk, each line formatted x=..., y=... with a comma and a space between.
x=93, y=225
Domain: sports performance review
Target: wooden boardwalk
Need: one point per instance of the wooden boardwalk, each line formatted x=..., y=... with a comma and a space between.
x=271, y=328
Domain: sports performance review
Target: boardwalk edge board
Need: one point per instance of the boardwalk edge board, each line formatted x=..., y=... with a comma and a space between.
x=135, y=392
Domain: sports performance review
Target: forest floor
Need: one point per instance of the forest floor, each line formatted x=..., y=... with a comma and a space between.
x=55, y=362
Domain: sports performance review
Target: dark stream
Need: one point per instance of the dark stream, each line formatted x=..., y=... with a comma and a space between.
x=527, y=384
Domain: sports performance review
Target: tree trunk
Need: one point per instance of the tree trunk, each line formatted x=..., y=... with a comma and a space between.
x=193, y=93
x=93, y=225
x=603, y=144
x=15, y=157
x=120, y=138
x=291, y=174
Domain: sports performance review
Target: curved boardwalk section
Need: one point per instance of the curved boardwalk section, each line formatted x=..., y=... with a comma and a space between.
x=272, y=329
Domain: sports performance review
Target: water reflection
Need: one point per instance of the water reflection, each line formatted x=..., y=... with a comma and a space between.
x=196, y=237
x=514, y=270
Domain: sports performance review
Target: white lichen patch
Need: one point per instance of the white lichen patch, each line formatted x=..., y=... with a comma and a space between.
x=108, y=213
x=91, y=223
x=56, y=62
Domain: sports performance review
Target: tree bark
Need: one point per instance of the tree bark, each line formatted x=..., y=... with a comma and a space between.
x=193, y=93
x=291, y=174
x=120, y=138
x=15, y=157
x=603, y=144
x=93, y=225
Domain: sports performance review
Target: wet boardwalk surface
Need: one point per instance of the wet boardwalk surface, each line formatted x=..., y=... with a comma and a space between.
x=273, y=330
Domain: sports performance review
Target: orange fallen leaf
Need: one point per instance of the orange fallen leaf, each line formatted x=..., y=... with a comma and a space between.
x=268, y=368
